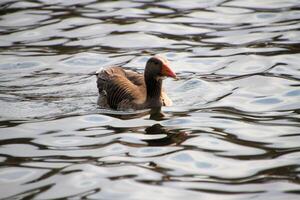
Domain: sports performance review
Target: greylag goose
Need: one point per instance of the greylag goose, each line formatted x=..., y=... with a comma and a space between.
x=122, y=89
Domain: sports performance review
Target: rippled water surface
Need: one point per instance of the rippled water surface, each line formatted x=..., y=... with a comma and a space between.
x=232, y=133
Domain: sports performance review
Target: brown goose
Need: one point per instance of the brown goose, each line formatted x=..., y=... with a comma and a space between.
x=124, y=89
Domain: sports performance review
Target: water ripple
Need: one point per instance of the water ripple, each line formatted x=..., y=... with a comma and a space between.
x=232, y=133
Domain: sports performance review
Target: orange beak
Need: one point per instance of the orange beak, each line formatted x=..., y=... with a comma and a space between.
x=166, y=71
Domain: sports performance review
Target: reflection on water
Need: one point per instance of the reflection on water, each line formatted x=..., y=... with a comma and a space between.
x=170, y=137
x=233, y=132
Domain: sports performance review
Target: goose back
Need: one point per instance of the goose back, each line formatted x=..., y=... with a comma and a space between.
x=121, y=89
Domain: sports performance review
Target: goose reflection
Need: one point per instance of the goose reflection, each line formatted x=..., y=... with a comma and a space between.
x=168, y=136
x=171, y=137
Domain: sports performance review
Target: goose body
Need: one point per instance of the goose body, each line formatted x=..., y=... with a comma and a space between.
x=122, y=89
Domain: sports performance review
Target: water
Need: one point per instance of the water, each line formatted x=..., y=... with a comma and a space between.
x=232, y=133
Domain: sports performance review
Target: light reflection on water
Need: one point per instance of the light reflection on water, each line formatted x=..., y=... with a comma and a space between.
x=233, y=132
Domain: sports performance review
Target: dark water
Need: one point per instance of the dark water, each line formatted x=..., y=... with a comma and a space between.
x=233, y=132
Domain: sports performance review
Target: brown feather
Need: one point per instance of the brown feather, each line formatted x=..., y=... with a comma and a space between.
x=118, y=87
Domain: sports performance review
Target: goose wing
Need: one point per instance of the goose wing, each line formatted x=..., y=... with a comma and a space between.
x=123, y=89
